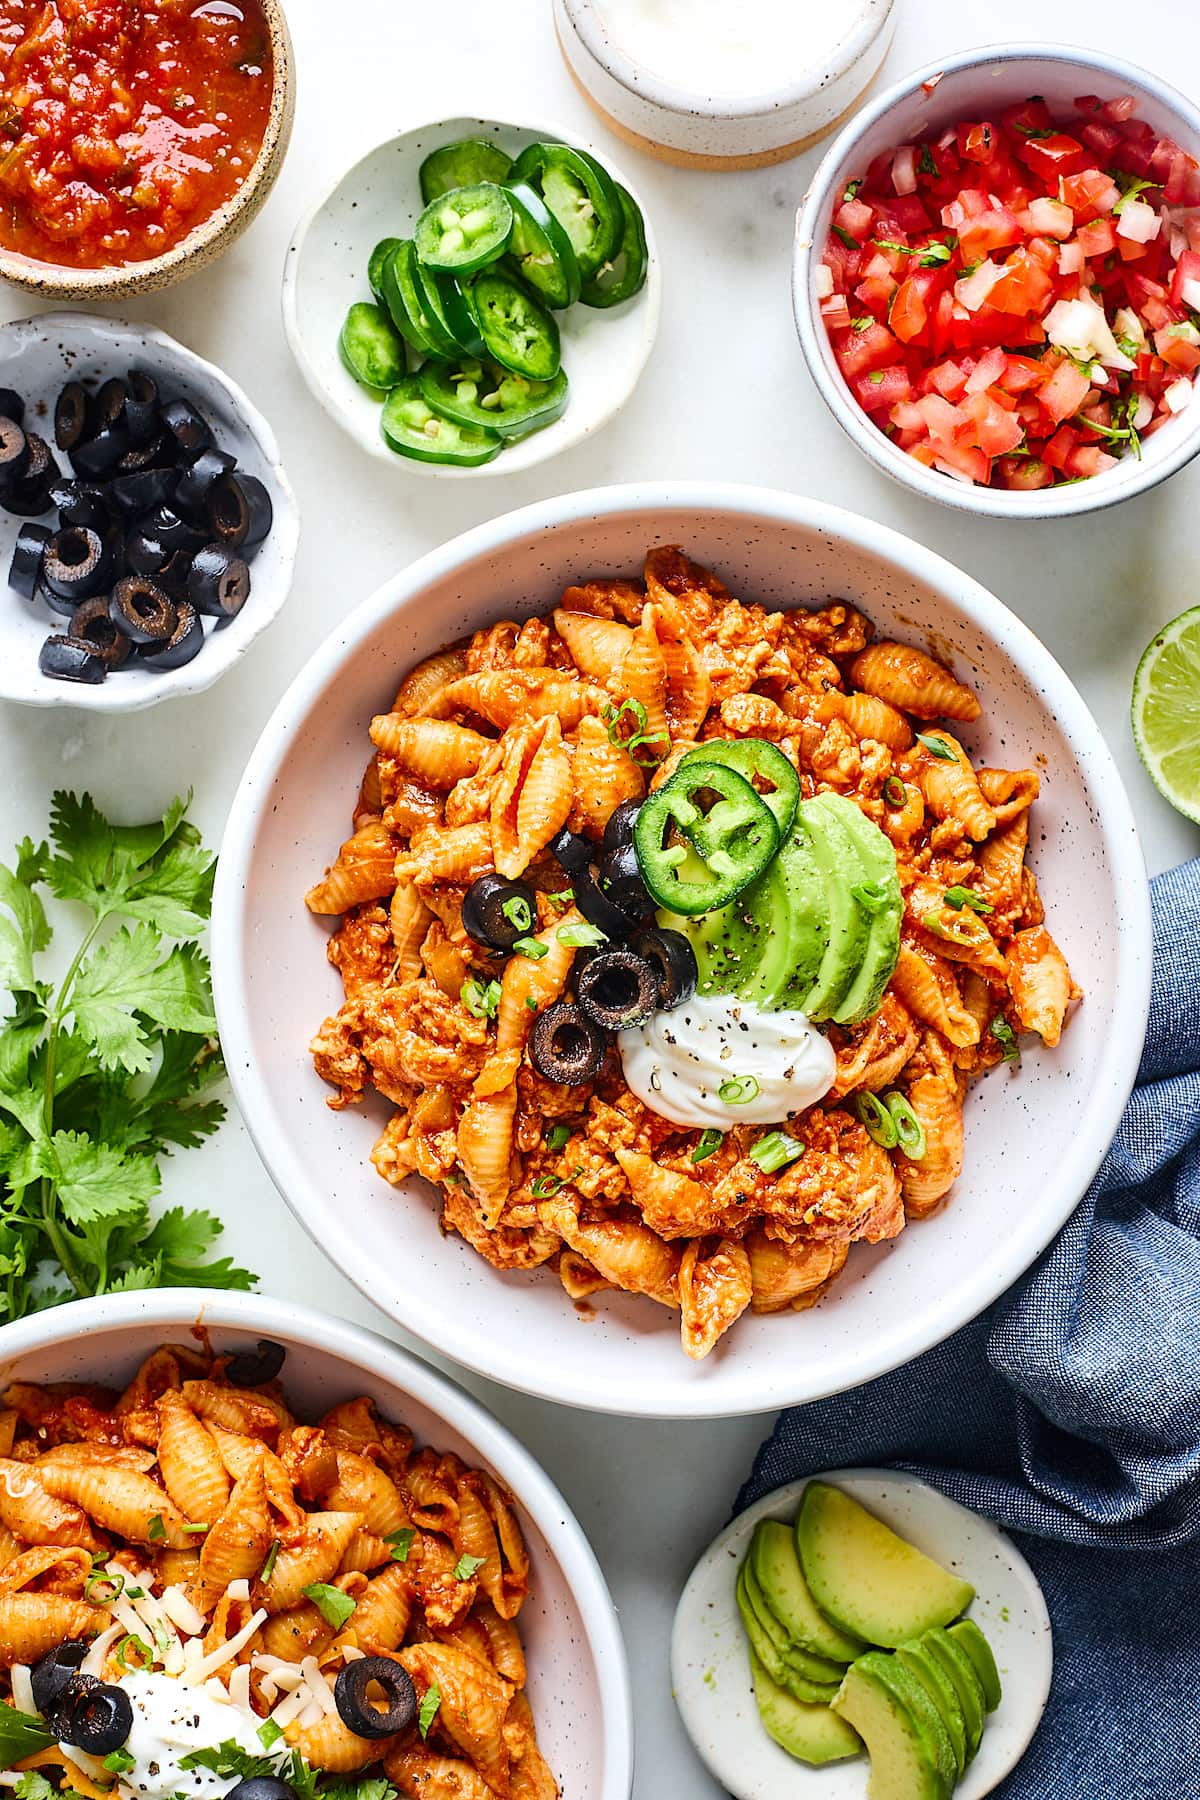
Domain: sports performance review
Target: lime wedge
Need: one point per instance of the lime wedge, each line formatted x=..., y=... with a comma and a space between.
x=1166, y=712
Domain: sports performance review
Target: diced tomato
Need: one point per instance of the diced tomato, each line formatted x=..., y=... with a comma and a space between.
x=949, y=379
x=1097, y=237
x=909, y=315
x=1187, y=271
x=1031, y=116
x=1021, y=373
x=988, y=369
x=909, y=213
x=1103, y=139
x=1064, y=393
x=1024, y=288
x=1052, y=156
x=836, y=313
x=1089, y=193
x=842, y=260
x=995, y=430
x=855, y=218
x=1057, y=452
x=873, y=347
x=883, y=388
x=1024, y=473
x=1088, y=459
x=976, y=143
x=983, y=232
x=1176, y=350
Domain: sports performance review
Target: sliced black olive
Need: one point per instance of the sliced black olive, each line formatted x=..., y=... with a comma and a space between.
x=99, y=454
x=142, y=611
x=159, y=452
x=96, y=1716
x=11, y=405
x=218, y=582
x=141, y=408
x=617, y=989
x=251, y=1368
x=145, y=554
x=108, y=408
x=620, y=878
x=571, y=850
x=138, y=492
x=26, y=564
x=496, y=911
x=186, y=641
x=186, y=427
x=196, y=480
x=673, y=960
x=619, y=829
x=174, y=575
x=44, y=596
x=71, y=659
x=171, y=531
x=356, y=1709
x=598, y=909
x=79, y=503
x=566, y=1047
x=262, y=1787
x=70, y=415
x=14, y=452
x=92, y=624
x=239, y=511
x=74, y=565
x=50, y=1675
x=29, y=496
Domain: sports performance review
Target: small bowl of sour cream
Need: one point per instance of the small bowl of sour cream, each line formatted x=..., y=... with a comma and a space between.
x=718, y=85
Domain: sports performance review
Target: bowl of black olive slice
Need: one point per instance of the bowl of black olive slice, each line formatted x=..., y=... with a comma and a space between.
x=148, y=531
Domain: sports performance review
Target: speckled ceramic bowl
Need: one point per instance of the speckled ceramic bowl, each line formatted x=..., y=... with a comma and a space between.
x=578, y=1677
x=211, y=237
x=603, y=350
x=1034, y=1136
x=39, y=355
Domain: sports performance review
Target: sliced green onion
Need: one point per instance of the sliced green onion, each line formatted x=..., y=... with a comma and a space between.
x=925, y=162
x=518, y=912
x=894, y=791
x=195, y=1530
x=580, y=934
x=119, y=1762
x=852, y=189
x=850, y=242
x=531, y=1003
x=130, y=1644
x=613, y=715
x=643, y=738
x=910, y=1133
x=710, y=1142
x=872, y=896
x=937, y=747
x=545, y=1185
x=1006, y=1037
x=99, y=1578
x=268, y=1568
x=557, y=1137
x=775, y=1151
x=958, y=897
x=963, y=929
x=531, y=947
x=563, y=897
x=738, y=1090
x=480, y=997
x=876, y=1119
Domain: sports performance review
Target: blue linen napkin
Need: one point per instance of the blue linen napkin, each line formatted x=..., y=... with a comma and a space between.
x=1069, y=1412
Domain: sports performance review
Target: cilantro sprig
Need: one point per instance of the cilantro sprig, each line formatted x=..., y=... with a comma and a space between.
x=110, y=1068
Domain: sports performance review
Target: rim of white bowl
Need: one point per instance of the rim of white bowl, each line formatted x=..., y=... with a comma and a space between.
x=660, y=90
x=1130, y=477
x=535, y=1492
x=538, y=446
x=752, y=1387
x=221, y=650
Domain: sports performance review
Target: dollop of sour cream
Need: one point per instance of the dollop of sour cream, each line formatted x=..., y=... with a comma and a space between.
x=740, y=48
x=169, y=1720
x=677, y=1062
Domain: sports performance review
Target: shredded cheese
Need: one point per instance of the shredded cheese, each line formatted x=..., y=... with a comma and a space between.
x=22, y=1688
x=200, y=1671
x=182, y=1614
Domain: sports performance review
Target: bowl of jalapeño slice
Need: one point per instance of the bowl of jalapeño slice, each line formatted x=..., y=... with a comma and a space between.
x=472, y=297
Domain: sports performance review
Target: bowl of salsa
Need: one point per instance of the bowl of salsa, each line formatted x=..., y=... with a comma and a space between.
x=138, y=138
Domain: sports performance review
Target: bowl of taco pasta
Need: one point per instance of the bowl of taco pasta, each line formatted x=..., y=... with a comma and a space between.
x=251, y=1551
x=682, y=950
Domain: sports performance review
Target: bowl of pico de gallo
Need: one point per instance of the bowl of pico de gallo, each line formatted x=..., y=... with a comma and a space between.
x=996, y=281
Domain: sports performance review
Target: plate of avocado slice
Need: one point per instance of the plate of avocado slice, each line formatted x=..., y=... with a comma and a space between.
x=859, y=1636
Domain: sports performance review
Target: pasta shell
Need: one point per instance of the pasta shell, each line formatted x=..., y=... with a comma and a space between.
x=241, y=1455
x=689, y=685
x=781, y=1272
x=364, y=870
x=237, y=1545
x=952, y=791
x=598, y=646
x=432, y=1484
x=315, y=1557
x=33, y=1515
x=867, y=716
x=423, y=1774
x=673, y=1204
x=1009, y=792
x=409, y=918
x=121, y=1500
x=484, y=1138
x=460, y=854
x=530, y=1774
x=31, y=1625
x=432, y=751
x=474, y=1703
x=644, y=679
x=714, y=1292
x=332, y=1747
x=507, y=697
x=503, y=1641
x=476, y=1536
x=72, y=1568
x=929, y=992
x=629, y=1255
x=1040, y=983
x=532, y=797
x=427, y=679
x=909, y=679
x=936, y=1101
x=363, y=1487
x=299, y=1632
x=189, y=1461
x=1002, y=863
x=604, y=775
x=382, y=1611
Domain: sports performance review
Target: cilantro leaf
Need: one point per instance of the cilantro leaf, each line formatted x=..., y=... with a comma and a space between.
x=21, y=1735
x=178, y=1242
x=124, y=980
x=28, y=932
x=334, y=1606
x=367, y=1787
x=429, y=1707
x=467, y=1566
x=229, y=1759
x=95, y=1182
x=32, y=1785
x=400, y=1543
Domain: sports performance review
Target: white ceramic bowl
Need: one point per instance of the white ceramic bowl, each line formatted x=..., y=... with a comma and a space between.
x=1034, y=1139
x=653, y=109
x=37, y=357
x=578, y=1677
x=971, y=85
x=710, y=1671
x=604, y=350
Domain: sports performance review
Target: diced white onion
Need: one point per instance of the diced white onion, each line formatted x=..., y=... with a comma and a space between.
x=1137, y=222
x=824, y=281
x=1189, y=293
x=1053, y=218
x=1144, y=413
x=1179, y=395
x=1080, y=327
x=955, y=474
x=974, y=289
x=1071, y=258
x=904, y=170
x=1129, y=326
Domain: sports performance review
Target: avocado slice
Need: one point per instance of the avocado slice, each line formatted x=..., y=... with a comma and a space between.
x=878, y=857
x=776, y=1566
x=790, y=898
x=914, y=1697
x=817, y=1669
x=926, y=1669
x=957, y=1665
x=776, y=1665
x=972, y=1640
x=902, y=1767
x=813, y=1734
x=865, y=1578
x=839, y=868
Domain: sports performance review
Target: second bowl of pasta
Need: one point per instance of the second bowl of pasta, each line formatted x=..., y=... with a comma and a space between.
x=246, y=1548
x=726, y=887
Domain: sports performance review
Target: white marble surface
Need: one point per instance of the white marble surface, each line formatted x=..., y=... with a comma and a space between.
x=726, y=395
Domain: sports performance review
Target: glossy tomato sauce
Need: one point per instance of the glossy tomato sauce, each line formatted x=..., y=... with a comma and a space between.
x=124, y=124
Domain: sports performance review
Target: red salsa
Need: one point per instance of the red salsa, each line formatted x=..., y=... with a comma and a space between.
x=124, y=124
